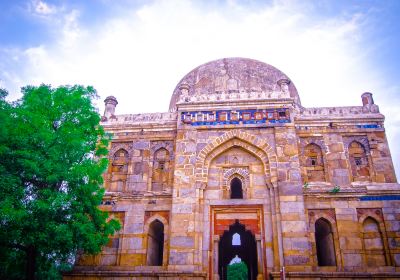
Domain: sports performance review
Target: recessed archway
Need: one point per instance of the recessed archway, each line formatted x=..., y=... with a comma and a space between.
x=325, y=244
x=230, y=249
x=155, y=243
x=252, y=144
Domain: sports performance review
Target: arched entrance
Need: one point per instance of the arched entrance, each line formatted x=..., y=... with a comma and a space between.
x=237, y=243
x=155, y=243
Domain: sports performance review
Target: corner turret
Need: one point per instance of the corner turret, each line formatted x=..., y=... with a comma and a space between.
x=368, y=103
x=109, y=110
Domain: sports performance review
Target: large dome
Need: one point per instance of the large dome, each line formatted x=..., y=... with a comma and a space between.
x=230, y=75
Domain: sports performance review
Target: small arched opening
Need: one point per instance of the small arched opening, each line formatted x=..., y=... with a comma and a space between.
x=373, y=243
x=161, y=168
x=155, y=243
x=324, y=242
x=313, y=164
x=358, y=162
x=120, y=161
x=236, y=188
x=119, y=170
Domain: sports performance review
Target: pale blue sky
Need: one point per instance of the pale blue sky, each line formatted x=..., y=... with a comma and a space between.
x=333, y=51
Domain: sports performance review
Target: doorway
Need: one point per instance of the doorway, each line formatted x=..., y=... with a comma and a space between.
x=237, y=245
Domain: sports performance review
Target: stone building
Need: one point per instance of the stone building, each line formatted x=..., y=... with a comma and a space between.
x=238, y=168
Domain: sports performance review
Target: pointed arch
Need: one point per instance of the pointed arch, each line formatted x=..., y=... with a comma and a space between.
x=360, y=168
x=161, y=169
x=241, y=172
x=328, y=216
x=326, y=255
x=156, y=227
x=120, y=161
x=236, y=188
x=373, y=244
x=235, y=138
x=118, y=170
x=155, y=243
x=312, y=163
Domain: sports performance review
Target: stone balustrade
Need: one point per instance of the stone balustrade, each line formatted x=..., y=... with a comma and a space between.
x=234, y=95
x=338, y=111
x=142, y=118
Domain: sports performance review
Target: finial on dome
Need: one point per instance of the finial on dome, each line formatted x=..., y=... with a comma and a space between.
x=110, y=104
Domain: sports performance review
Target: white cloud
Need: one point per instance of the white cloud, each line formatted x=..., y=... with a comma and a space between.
x=42, y=8
x=141, y=54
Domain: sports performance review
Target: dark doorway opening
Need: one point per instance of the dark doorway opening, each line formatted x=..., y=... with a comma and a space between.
x=324, y=241
x=236, y=188
x=241, y=243
x=155, y=246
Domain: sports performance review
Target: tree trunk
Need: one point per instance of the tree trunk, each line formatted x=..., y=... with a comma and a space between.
x=31, y=262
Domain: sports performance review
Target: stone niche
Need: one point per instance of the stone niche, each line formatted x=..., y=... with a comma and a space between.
x=240, y=166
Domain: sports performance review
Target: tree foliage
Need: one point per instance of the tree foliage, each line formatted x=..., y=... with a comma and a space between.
x=52, y=156
x=237, y=271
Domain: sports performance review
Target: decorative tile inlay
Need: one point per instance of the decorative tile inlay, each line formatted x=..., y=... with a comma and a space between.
x=248, y=116
x=379, y=197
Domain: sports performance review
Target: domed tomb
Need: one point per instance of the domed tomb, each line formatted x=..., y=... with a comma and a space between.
x=235, y=77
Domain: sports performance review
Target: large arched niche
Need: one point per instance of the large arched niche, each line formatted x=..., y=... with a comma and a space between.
x=252, y=144
x=258, y=148
x=232, y=166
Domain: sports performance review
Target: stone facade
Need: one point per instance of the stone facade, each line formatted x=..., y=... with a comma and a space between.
x=312, y=190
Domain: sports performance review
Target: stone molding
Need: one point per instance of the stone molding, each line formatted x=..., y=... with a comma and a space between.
x=344, y=111
x=233, y=96
x=150, y=216
x=317, y=140
x=375, y=213
x=327, y=214
x=335, y=275
x=142, y=118
x=230, y=173
x=363, y=140
x=156, y=145
x=251, y=143
x=115, y=146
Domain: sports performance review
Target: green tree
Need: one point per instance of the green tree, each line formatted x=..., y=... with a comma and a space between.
x=52, y=156
x=237, y=271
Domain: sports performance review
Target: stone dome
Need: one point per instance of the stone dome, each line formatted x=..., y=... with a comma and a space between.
x=231, y=75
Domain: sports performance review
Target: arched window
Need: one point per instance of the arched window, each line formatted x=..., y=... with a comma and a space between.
x=155, y=243
x=358, y=162
x=161, y=169
x=119, y=170
x=120, y=161
x=313, y=164
x=324, y=242
x=373, y=243
x=236, y=188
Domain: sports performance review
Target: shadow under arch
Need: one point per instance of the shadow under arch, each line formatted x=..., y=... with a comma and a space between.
x=247, y=250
